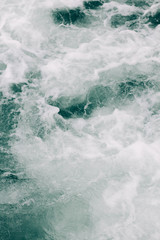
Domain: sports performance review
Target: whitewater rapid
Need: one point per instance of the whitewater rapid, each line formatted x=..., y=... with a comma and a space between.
x=79, y=120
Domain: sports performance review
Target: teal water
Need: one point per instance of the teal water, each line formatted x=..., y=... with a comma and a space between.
x=79, y=120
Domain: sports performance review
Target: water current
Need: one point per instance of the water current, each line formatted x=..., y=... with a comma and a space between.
x=79, y=120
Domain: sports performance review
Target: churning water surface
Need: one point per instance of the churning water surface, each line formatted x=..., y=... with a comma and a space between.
x=79, y=120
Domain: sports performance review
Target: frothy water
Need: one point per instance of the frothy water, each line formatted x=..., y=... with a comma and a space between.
x=80, y=120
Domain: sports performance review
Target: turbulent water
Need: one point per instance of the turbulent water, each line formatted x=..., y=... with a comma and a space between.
x=79, y=120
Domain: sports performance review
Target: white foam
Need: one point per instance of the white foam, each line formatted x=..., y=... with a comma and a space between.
x=106, y=165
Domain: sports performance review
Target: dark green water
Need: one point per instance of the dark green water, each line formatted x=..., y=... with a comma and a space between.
x=79, y=120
